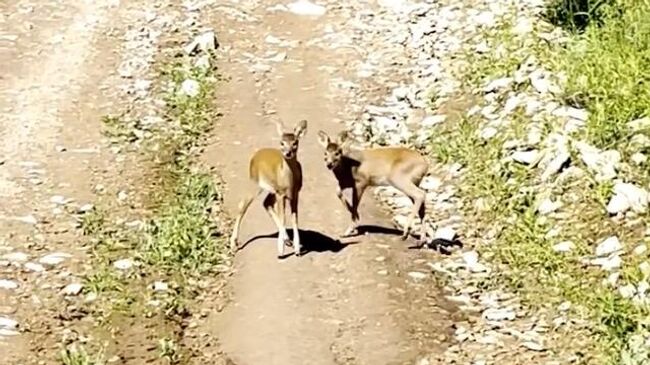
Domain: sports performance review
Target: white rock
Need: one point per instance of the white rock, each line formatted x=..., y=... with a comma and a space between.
x=72, y=289
x=640, y=249
x=608, y=263
x=432, y=120
x=160, y=286
x=85, y=208
x=639, y=158
x=123, y=264
x=305, y=7
x=628, y=196
x=556, y=164
x=526, y=157
x=8, y=284
x=445, y=233
x=602, y=163
x=59, y=200
x=565, y=246
x=564, y=306
x=644, y=267
x=609, y=246
x=627, y=291
x=638, y=125
x=8, y=323
x=498, y=84
x=523, y=26
x=642, y=287
x=618, y=204
x=416, y=275
x=54, y=258
x=548, y=206
x=16, y=257
x=488, y=132
x=205, y=42
x=534, y=346
x=32, y=266
x=190, y=88
x=485, y=18
x=5, y=332
x=471, y=262
x=28, y=219
x=499, y=314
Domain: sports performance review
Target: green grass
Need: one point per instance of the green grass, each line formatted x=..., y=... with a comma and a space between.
x=608, y=72
x=77, y=355
x=607, y=63
x=180, y=241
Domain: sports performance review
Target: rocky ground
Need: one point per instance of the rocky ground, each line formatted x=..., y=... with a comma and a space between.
x=111, y=233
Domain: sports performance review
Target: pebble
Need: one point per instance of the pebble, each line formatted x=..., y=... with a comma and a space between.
x=54, y=259
x=8, y=323
x=416, y=275
x=72, y=289
x=305, y=7
x=608, y=246
x=564, y=246
x=123, y=264
x=8, y=284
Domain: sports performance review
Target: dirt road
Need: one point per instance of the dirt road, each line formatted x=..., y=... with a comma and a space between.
x=350, y=303
x=336, y=305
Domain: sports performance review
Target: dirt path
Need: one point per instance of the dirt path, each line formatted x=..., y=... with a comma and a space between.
x=335, y=305
x=56, y=61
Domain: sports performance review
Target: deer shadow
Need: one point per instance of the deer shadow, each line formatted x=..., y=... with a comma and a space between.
x=311, y=241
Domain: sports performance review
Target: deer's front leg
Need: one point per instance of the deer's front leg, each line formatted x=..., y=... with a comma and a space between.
x=357, y=193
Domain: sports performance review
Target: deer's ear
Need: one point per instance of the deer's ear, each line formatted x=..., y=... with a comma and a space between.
x=279, y=127
x=300, y=129
x=323, y=139
x=343, y=137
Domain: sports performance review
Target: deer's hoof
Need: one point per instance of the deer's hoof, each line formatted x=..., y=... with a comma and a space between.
x=288, y=242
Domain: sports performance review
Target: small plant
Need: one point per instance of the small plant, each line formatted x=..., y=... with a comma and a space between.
x=77, y=355
x=169, y=350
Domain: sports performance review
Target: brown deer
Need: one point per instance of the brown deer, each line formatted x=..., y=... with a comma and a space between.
x=278, y=175
x=399, y=167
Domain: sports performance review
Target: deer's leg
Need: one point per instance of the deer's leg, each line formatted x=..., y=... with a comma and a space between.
x=294, y=221
x=357, y=194
x=417, y=195
x=281, y=209
x=243, y=207
x=269, y=203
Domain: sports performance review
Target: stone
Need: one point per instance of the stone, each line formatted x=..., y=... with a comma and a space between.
x=548, y=206
x=160, y=286
x=608, y=263
x=8, y=323
x=639, y=158
x=644, y=267
x=609, y=246
x=498, y=84
x=54, y=259
x=534, y=346
x=32, y=266
x=445, y=233
x=499, y=314
x=526, y=157
x=307, y=8
x=205, y=42
x=562, y=247
x=190, y=88
x=123, y=264
x=72, y=289
x=488, y=132
x=602, y=163
x=470, y=259
x=556, y=164
x=8, y=284
x=627, y=291
x=416, y=275
x=628, y=196
x=641, y=124
x=564, y=306
x=640, y=249
x=85, y=208
x=17, y=257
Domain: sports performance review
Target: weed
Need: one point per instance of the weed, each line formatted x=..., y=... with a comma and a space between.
x=77, y=355
x=169, y=350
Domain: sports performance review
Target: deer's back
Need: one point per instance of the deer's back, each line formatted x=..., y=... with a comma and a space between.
x=380, y=163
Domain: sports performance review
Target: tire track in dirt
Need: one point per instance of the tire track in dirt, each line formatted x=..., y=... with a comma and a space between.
x=335, y=305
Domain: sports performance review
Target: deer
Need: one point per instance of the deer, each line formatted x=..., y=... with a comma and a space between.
x=358, y=169
x=277, y=173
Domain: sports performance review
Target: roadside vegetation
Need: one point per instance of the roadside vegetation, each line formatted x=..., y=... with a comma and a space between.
x=601, y=60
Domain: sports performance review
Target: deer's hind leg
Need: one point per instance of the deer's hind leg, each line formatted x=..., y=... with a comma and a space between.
x=269, y=203
x=406, y=185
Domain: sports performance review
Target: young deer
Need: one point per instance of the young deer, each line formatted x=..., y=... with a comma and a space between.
x=399, y=167
x=278, y=174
